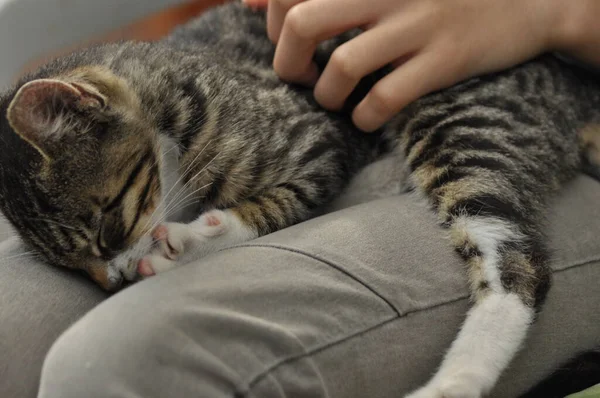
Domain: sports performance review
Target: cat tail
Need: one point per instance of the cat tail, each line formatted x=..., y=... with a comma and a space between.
x=495, y=227
x=508, y=277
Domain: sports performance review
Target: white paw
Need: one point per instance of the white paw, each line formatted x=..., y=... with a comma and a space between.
x=174, y=238
x=211, y=232
x=450, y=387
x=170, y=240
x=212, y=223
x=154, y=264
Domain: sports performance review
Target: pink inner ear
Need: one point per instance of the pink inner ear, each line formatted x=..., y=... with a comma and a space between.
x=39, y=92
x=40, y=104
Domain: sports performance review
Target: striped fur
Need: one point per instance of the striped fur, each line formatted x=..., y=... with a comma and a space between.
x=91, y=137
x=496, y=148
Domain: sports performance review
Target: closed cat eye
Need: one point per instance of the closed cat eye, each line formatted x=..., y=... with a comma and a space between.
x=100, y=249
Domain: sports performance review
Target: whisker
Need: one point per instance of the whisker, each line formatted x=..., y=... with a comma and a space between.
x=173, y=204
x=191, y=180
x=26, y=254
x=187, y=170
x=55, y=223
x=179, y=205
x=163, y=154
x=163, y=217
x=183, y=175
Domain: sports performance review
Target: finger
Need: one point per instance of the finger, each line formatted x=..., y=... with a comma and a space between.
x=362, y=55
x=418, y=76
x=306, y=25
x=277, y=9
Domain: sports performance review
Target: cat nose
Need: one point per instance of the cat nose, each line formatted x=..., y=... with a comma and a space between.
x=114, y=280
x=108, y=277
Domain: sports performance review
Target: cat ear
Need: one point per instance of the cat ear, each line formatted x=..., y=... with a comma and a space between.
x=42, y=110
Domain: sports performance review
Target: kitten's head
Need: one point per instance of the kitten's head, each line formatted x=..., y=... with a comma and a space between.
x=79, y=169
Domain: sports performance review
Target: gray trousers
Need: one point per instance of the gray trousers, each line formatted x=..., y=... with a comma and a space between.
x=361, y=302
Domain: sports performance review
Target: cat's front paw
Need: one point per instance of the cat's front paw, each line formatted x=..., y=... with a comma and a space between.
x=173, y=240
x=212, y=223
x=170, y=240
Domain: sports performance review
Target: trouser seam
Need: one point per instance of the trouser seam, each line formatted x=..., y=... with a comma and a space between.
x=293, y=358
x=290, y=359
x=578, y=263
x=330, y=264
x=284, y=361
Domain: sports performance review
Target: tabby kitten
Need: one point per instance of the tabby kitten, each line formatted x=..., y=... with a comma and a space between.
x=103, y=147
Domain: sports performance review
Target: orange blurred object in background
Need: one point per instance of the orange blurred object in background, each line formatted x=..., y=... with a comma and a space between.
x=158, y=25
x=150, y=28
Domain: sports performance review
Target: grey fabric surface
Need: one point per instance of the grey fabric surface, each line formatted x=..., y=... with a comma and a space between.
x=37, y=303
x=5, y=230
x=358, y=303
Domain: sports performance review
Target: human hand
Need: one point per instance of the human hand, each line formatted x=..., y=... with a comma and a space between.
x=432, y=44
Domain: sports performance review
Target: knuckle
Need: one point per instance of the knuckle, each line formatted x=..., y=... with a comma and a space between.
x=450, y=68
x=297, y=22
x=344, y=63
x=383, y=100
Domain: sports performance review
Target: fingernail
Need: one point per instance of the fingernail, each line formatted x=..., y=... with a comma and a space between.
x=366, y=118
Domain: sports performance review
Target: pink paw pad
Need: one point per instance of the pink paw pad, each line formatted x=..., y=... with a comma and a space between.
x=212, y=221
x=160, y=233
x=144, y=268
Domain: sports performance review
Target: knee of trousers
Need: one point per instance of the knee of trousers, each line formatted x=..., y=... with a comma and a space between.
x=120, y=350
x=131, y=346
